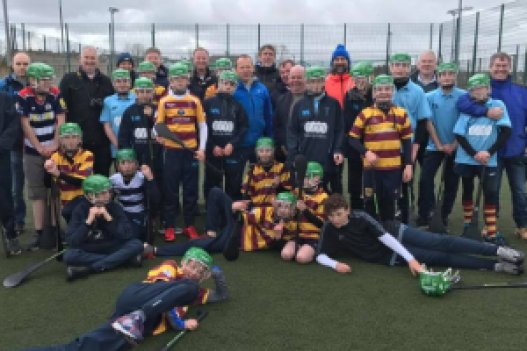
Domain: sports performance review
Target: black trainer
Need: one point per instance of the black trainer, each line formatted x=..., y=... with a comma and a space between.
x=76, y=272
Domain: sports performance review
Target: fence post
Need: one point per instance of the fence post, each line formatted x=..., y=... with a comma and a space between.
x=197, y=35
x=23, y=28
x=431, y=36
x=258, y=48
x=29, y=40
x=302, y=43
x=14, y=43
x=388, y=43
x=227, y=40
x=44, y=43
x=68, y=58
x=475, y=48
x=439, y=43
x=345, y=36
x=153, y=34
x=500, y=33
x=525, y=67
x=515, y=60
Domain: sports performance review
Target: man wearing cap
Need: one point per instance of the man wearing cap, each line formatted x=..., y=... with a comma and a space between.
x=202, y=77
x=339, y=81
x=356, y=99
x=125, y=61
x=510, y=157
x=83, y=93
x=284, y=107
x=411, y=97
x=316, y=129
x=441, y=146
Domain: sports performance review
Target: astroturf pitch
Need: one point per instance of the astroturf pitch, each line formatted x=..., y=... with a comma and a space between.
x=275, y=305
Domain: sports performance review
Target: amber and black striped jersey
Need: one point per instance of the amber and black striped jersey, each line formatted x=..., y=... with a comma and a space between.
x=258, y=229
x=260, y=185
x=72, y=173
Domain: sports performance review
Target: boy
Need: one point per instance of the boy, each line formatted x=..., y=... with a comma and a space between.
x=441, y=146
x=131, y=187
x=266, y=177
x=362, y=236
x=479, y=139
x=181, y=112
x=315, y=129
x=99, y=235
x=41, y=117
x=385, y=130
x=227, y=123
x=69, y=166
x=115, y=105
x=303, y=246
x=152, y=306
x=147, y=69
x=220, y=65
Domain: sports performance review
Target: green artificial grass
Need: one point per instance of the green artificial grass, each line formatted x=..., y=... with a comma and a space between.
x=275, y=305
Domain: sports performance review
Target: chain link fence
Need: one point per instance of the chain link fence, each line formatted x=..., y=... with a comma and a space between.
x=476, y=36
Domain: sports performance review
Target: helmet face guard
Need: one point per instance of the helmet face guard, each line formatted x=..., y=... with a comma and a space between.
x=437, y=283
x=100, y=199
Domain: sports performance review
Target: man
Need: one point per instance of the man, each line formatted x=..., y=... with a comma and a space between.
x=283, y=107
x=411, y=97
x=83, y=93
x=12, y=84
x=339, y=81
x=266, y=68
x=510, y=156
x=425, y=75
x=256, y=101
x=282, y=84
x=154, y=55
x=202, y=77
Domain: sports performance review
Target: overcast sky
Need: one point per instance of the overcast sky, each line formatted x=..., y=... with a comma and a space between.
x=240, y=11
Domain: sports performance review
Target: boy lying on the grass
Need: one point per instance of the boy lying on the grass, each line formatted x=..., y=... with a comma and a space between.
x=262, y=227
x=394, y=243
x=152, y=306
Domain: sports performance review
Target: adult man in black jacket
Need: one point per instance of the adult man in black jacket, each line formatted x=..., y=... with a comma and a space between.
x=265, y=68
x=201, y=77
x=83, y=93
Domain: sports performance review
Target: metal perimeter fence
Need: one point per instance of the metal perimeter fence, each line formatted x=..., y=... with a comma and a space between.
x=470, y=40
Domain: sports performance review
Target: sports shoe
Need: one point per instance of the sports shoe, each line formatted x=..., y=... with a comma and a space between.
x=191, y=232
x=76, y=272
x=506, y=267
x=521, y=233
x=35, y=243
x=13, y=247
x=169, y=235
x=511, y=255
x=498, y=239
x=131, y=326
x=149, y=252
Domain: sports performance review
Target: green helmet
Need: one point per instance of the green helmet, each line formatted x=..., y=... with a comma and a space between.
x=143, y=83
x=478, y=80
x=39, y=70
x=120, y=73
x=228, y=75
x=178, y=70
x=286, y=196
x=70, y=128
x=223, y=63
x=95, y=184
x=315, y=72
x=382, y=79
x=199, y=255
x=447, y=67
x=146, y=66
x=400, y=57
x=187, y=63
x=126, y=155
x=314, y=169
x=46, y=71
x=264, y=142
x=33, y=70
x=362, y=69
x=437, y=283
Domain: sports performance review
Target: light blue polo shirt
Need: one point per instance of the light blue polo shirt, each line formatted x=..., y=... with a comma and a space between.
x=412, y=98
x=112, y=112
x=444, y=114
x=481, y=133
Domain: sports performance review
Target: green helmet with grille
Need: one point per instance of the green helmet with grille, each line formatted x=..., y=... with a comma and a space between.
x=120, y=73
x=362, y=69
x=187, y=63
x=437, y=283
x=46, y=71
x=223, y=63
x=229, y=76
x=314, y=169
x=178, y=70
x=382, y=79
x=264, y=142
x=95, y=184
x=126, y=155
x=199, y=255
x=33, y=70
x=143, y=83
x=146, y=66
x=315, y=72
x=447, y=67
x=286, y=196
x=70, y=128
x=478, y=80
x=400, y=57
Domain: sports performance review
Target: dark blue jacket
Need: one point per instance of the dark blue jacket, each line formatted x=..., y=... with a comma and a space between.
x=515, y=98
x=257, y=105
x=10, y=85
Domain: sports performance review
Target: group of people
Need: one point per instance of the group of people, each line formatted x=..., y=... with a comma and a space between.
x=272, y=140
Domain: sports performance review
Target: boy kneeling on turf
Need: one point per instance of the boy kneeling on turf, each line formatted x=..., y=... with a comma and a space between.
x=131, y=187
x=395, y=243
x=99, y=235
x=70, y=165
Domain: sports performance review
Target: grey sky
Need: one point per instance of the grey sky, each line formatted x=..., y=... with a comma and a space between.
x=241, y=11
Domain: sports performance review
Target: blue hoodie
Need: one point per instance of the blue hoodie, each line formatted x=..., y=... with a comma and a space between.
x=257, y=105
x=515, y=98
